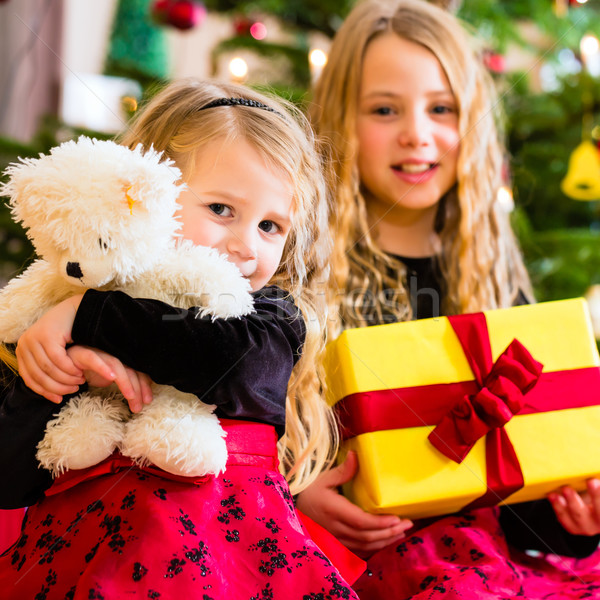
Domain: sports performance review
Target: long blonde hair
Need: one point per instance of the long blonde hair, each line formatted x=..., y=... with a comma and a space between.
x=173, y=123
x=480, y=261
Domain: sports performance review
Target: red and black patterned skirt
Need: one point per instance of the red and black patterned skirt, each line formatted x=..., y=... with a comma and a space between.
x=116, y=531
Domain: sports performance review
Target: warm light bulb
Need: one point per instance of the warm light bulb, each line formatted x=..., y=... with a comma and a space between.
x=238, y=68
x=317, y=58
x=589, y=45
x=505, y=199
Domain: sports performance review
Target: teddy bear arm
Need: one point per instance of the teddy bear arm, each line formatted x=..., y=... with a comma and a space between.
x=197, y=276
x=24, y=299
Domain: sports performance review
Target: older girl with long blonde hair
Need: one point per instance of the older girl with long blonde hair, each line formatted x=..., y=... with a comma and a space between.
x=415, y=157
x=255, y=192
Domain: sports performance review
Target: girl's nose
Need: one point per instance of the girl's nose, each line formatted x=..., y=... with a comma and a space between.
x=414, y=130
x=242, y=244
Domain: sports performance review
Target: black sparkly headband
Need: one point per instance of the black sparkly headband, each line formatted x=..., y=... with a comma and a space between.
x=240, y=102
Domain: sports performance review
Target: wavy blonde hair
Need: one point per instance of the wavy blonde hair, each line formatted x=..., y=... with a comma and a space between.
x=479, y=259
x=173, y=123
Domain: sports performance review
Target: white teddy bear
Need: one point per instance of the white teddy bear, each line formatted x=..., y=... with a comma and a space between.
x=102, y=216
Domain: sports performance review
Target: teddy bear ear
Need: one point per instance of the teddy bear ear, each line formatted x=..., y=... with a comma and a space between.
x=129, y=195
x=134, y=195
x=22, y=185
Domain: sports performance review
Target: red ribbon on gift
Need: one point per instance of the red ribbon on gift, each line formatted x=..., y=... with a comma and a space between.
x=502, y=387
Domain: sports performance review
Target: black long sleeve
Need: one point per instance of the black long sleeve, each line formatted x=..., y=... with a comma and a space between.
x=23, y=418
x=242, y=365
x=534, y=526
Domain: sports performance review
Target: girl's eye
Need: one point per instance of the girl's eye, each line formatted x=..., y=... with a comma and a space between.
x=383, y=110
x=220, y=209
x=268, y=227
x=442, y=110
x=103, y=245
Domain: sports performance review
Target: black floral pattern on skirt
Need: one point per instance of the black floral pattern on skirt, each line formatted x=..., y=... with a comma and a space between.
x=136, y=534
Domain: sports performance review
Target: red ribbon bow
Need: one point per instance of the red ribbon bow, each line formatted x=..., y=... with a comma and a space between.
x=502, y=387
x=500, y=397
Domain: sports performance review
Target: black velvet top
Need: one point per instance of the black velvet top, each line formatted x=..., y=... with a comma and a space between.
x=529, y=525
x=241, y=365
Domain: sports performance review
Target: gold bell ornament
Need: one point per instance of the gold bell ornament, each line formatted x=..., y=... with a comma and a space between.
x=582, y=181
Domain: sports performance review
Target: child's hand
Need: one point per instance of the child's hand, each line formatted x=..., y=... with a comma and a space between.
x=578, y=513
x=101, y=369
x=361, y=532
x=41, y=355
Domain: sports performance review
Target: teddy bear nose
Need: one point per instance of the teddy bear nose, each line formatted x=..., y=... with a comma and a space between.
x=74, y=270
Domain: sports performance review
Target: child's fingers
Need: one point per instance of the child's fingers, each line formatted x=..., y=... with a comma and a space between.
x=365, y=550
x=359, y=521
x=123, y=381
x=49, y=386
x=573, y=513
x=44, y=385
x=341, y=474
x=370, y=540
x=103, y=369
x=146, y=386
x=58, y=360
x=136, y=401
x=51, y=357
x=36, y=360
x=88, y=359
x=141, y=391
x=593, y=486
x=559, y=504
x=38, y=389
x=579, y=511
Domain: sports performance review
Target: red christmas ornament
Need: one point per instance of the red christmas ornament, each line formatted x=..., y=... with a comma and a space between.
x=242, y=25
x=185, y=14
x=182, y=14
x=495, y=62
x=160, y=11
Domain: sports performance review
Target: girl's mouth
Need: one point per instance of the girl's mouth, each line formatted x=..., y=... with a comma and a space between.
x=414, y=168
x=414, y=173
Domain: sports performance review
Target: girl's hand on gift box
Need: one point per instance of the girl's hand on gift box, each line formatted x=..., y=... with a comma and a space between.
x=578, y=513
x=359, y=531
x=101, y=369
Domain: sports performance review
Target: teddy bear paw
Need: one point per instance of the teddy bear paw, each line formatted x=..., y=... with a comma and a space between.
x=178, y=434
x=87, y=430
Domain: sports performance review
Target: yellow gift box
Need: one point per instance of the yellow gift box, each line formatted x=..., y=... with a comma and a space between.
x=393, y=385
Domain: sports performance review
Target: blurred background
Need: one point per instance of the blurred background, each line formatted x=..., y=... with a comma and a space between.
x=69, y=67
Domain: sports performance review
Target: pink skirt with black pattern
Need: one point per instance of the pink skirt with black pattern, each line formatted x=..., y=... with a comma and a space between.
x=466, y=557
x=116, y=531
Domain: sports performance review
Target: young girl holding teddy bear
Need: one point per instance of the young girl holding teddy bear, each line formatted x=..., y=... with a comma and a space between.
x=254, y=192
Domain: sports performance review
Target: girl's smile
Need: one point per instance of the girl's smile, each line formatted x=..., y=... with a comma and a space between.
x=415, y=171
x=407, y=128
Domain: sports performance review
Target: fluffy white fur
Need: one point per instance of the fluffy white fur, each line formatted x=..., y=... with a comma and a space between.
x=102, y=216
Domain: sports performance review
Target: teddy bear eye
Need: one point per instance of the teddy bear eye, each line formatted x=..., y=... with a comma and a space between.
x=103, y=245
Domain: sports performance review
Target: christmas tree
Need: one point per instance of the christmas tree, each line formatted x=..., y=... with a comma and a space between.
x=559, y=235
x=137, y=47
x=544, y=123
